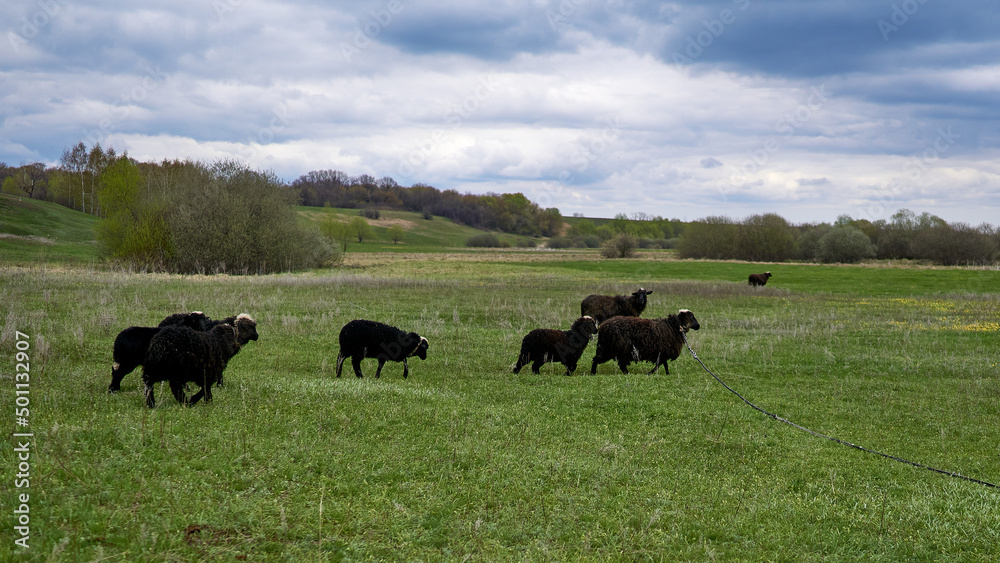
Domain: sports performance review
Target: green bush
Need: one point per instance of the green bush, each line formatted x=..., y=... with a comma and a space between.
x=484, y=240
x=187, y=217
x=622, y=245
x=845, y=244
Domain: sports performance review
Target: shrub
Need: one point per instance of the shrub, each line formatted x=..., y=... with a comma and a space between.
x=622, y=245
x=370, y=213
x=527, y=243
x=846, y=244
x=360, y=229
x=396, y=233
x=560, y=242
x=483, y=240
x=765, y=238
x=712, y=237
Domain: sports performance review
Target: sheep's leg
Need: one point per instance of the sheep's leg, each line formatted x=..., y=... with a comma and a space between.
x=406, y=369
x=118, y=372
x=537, y=365
x=205, y=392
x=197, y=397
x=521, y=361
x=178, y=390
x=623, y=365
x=378, y=372
x=340, y=362
x=150, y=399
x=356, y=363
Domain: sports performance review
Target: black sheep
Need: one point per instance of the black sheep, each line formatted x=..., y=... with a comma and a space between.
x=129, y=349
x=180, y=355
x=361, y=339
x=630, y=339
x=603, y=307
x=544, y=345
x=758, y=279
x=241, y=339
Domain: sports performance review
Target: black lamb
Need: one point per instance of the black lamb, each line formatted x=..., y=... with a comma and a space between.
x=758, y=279
x=631, y=339
x=129, y=349
x=544, y=345
x=180, y=355
x=361, y=339
x=603, y=307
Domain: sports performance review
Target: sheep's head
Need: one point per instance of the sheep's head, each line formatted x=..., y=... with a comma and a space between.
x=246, y=329
x=421, y=349
x=687, y=320
x=640, y=296
x=585, y=326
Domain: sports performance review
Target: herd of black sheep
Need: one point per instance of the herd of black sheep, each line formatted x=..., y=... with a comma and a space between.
x=192, y=348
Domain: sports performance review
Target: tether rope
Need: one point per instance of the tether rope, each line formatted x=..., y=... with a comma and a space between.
x=838, y=440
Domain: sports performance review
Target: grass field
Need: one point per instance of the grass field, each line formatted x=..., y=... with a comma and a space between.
x=466, y=461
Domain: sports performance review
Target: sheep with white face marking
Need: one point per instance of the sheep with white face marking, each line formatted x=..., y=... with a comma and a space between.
x=180, y=355
x=630, y=339
x=129, y=349
x=603, y=307
x=758, y=279
x=361, y=339
x=544, y=345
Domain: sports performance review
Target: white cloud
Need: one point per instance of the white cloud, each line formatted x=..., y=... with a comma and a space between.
x=591, y=115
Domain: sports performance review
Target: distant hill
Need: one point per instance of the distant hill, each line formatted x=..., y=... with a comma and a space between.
x=422, y=235
x=33, y=231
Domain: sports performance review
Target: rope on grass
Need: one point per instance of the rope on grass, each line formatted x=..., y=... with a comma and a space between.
x=838, y=440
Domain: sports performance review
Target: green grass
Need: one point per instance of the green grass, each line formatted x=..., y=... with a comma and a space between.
x=464, y=460
x=422, y=235
x=33, y=231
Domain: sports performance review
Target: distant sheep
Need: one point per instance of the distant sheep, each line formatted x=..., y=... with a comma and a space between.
x=361, y=339
x=180, y=355
x=603, y=307
x=129, y=349
x=759, y=279
x=544, y=345
x=630, y=339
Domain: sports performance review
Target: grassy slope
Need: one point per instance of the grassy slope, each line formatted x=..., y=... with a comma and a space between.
x=464, y=459
x=45, y=232
x=421, y=235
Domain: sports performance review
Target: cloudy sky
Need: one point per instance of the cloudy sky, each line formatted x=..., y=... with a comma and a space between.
x=806, y=108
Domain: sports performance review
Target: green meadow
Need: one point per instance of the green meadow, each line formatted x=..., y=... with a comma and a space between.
x=464, y=461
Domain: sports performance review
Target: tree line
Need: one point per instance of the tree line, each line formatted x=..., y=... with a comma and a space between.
x=904, y=236
x=508, y=213
x=193, y=217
